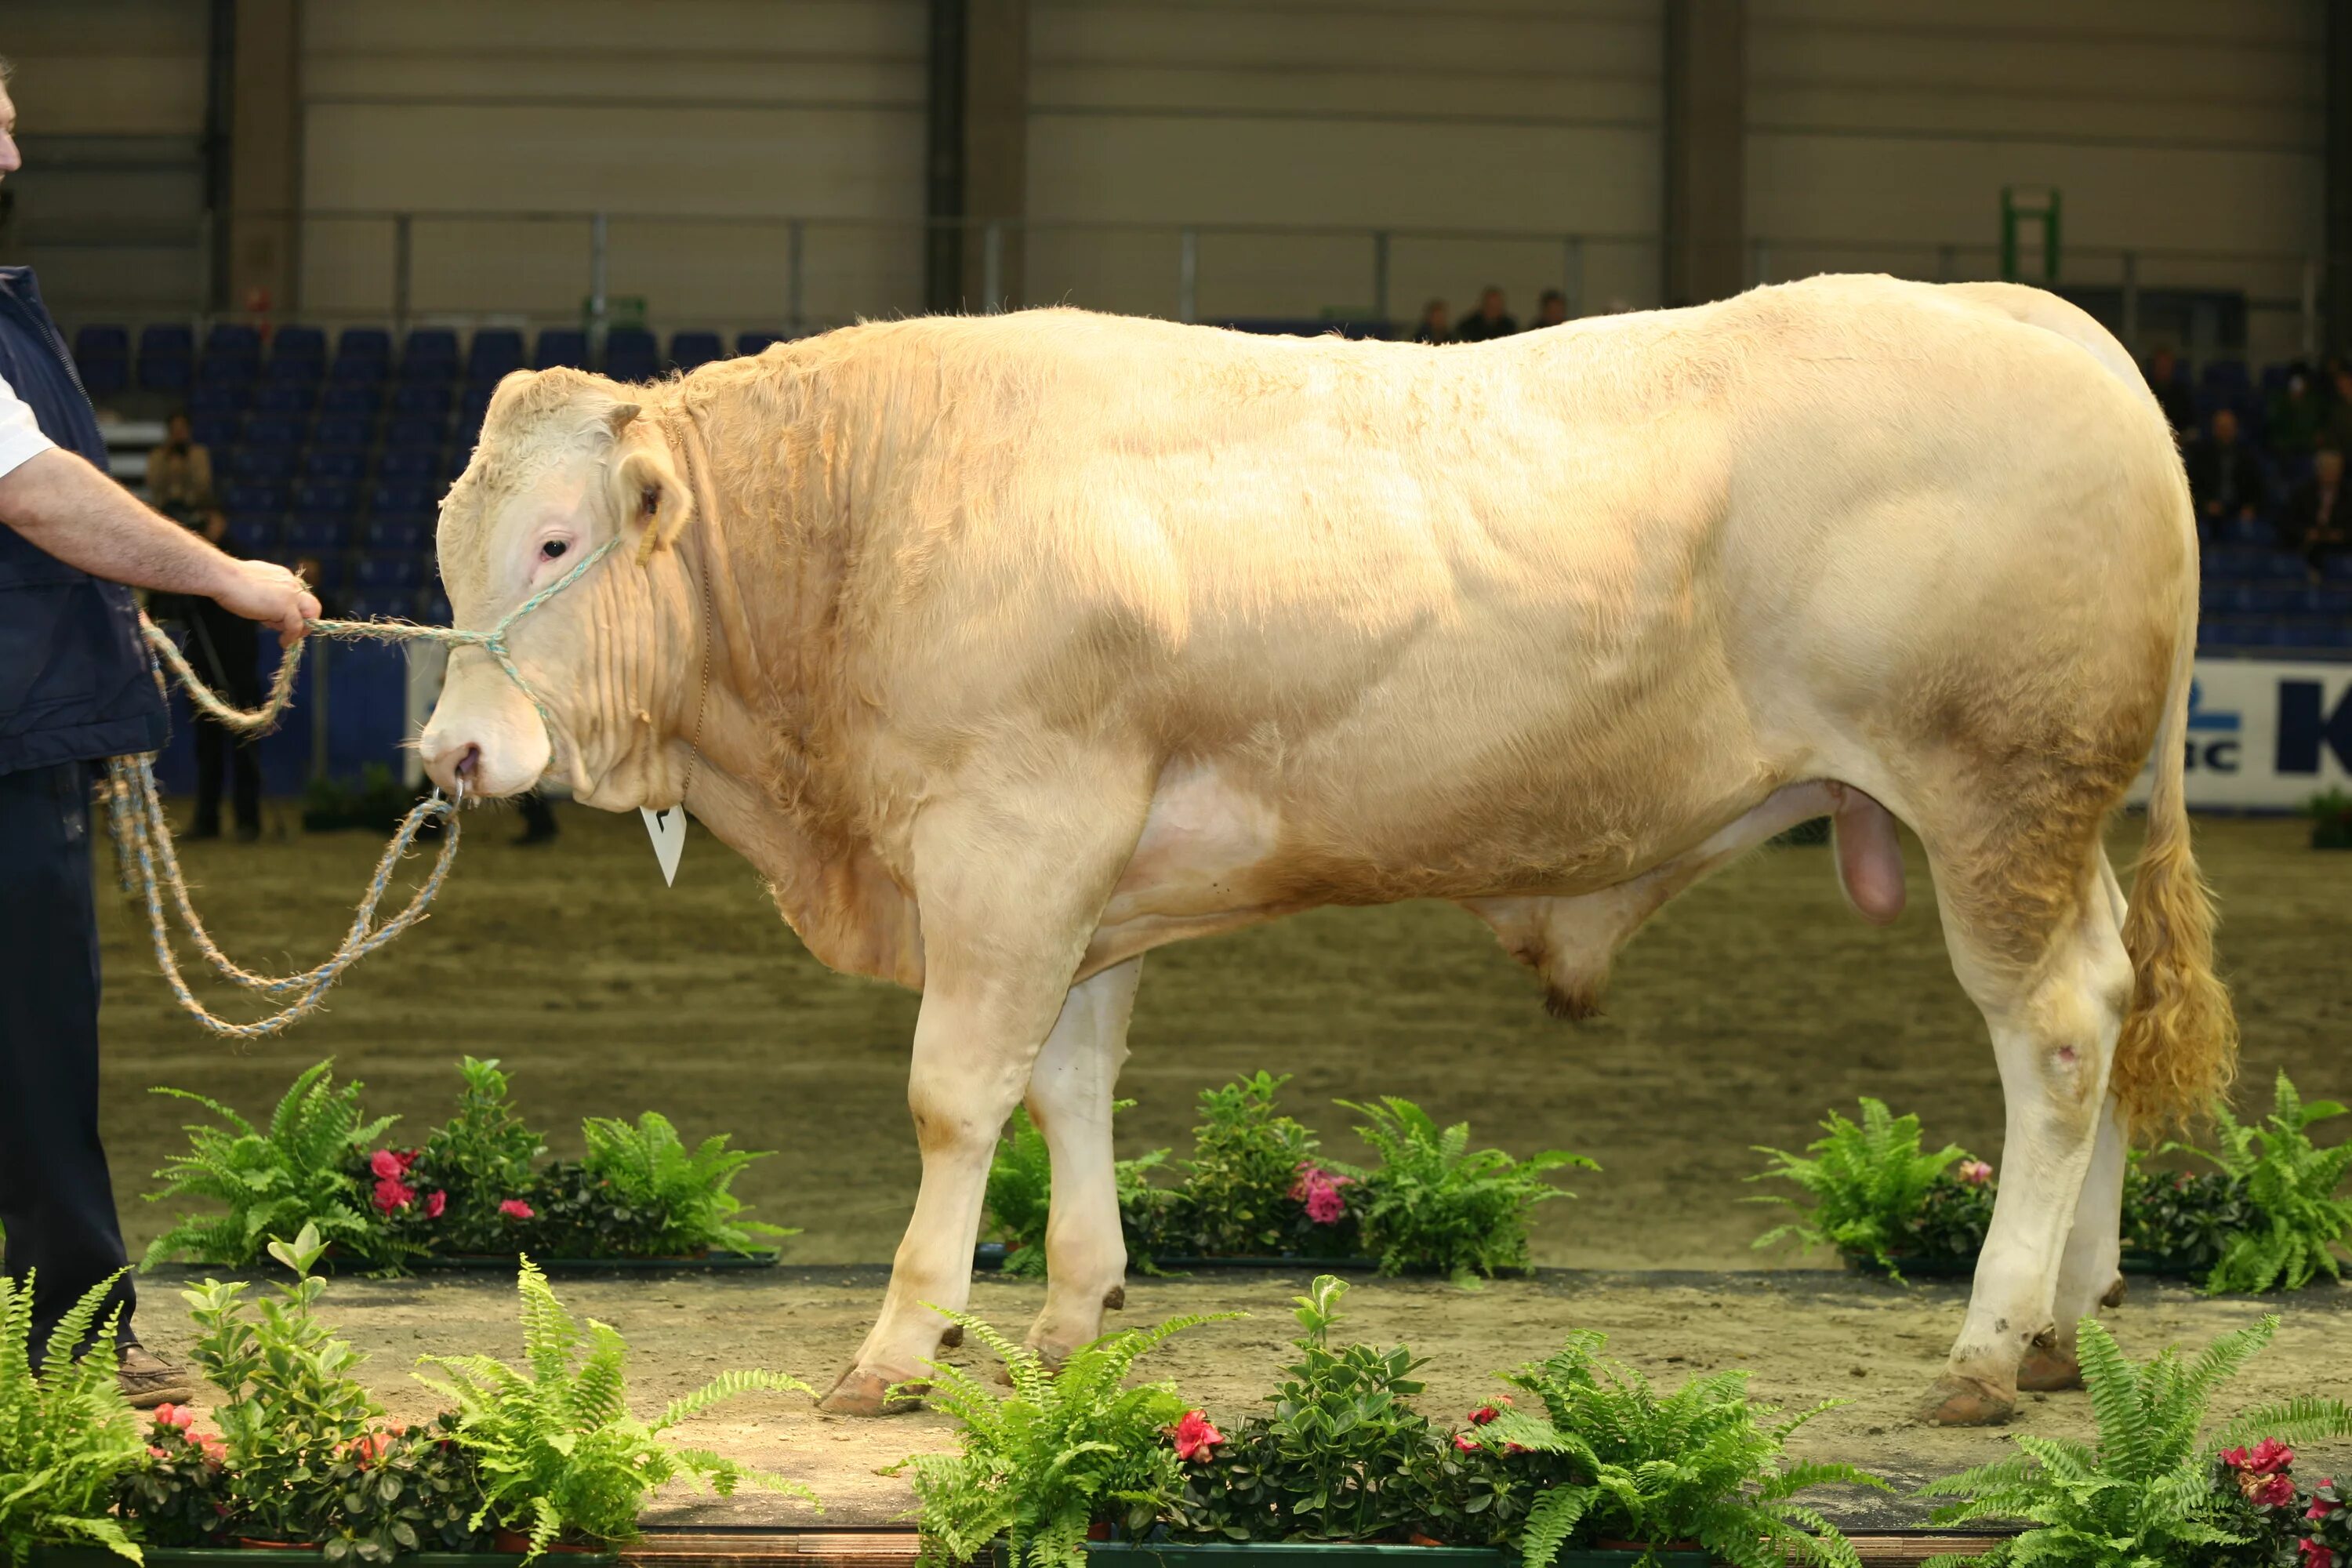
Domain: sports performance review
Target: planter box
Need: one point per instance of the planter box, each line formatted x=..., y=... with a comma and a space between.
x=1339, y=1554
x=1966, y=1268
x=764, y=1258
x=988, y=1257
x=257, y=1557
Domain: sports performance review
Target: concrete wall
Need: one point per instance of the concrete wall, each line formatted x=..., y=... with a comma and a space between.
x=111, y=105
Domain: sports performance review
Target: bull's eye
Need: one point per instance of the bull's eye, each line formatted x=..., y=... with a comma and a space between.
x=553, y=549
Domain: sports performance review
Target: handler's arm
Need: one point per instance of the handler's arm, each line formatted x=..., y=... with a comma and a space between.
x=69, y=509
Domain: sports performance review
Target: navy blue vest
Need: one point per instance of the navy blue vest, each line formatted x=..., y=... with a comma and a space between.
x=74, y=680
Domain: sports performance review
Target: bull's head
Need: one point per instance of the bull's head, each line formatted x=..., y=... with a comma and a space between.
x=565, y=464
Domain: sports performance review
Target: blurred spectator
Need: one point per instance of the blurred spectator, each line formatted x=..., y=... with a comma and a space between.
x=2319, y=514
x=2225, y=478
x=2295, y=415
x=1552, y=310
x=2335, y=424
x=225, y=650
x=2164, y=379
x=1490, y=321
x=180, y=474
x=1436, y=324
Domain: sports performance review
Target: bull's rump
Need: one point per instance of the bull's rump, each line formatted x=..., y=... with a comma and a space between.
x=1536, y=614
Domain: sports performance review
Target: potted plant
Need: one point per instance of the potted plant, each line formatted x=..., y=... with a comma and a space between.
x=1870, y=1183
x=65, y=1435
x=2145, y=1492
x=2331, y=820
x=1435, y=1205
x=2297, y=1222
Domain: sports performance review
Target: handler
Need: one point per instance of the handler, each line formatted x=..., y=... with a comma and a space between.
x=75, y=686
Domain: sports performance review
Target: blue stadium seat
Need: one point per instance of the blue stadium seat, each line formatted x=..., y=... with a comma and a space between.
x=365, y=363
x=295, y=341
x=394, y=535
x=435, y=610
x=689, y=351
x=375, y=572
x=2336, y=568
x=402, y=498
x=410, y=463
x=413, y=433
x=561, y=345
x=287, y=397
x=430, y=354
x=315, y=535
x=257, y=495
x=342, y=433
x=2253, y=561
x=430, y=399
x=253, y=534
x=2217, y=599
x=631, y=353
x=2252, y=531
x=98, y=342
x=754, y=343
x=263, y=464
x=2231, y=634
x=233, y=340
x=2314, y=634
x=2225, y=375
x=325, y=462
x=380, y=605
x=102, y=357
x=494, y=352
x=357, y=398
x=274, y=430
x=2271, y=599
x=364, y=343
x=216, y=399
x=217, y=432
x=2329, y=601
x=294, y=372
x=326, y=571
x=226, y=370
x=166, y=358
x=336, y=497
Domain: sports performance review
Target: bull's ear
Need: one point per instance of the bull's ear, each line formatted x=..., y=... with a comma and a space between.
x=650, y=496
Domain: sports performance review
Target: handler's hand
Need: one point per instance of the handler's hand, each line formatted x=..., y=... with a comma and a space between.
x=266, y=591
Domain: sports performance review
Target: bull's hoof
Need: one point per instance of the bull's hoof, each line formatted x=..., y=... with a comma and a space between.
x=2047, y=1368
x=1966, y=1402
x=861, y=1392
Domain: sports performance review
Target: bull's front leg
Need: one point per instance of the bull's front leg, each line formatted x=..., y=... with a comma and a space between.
x=1011, y=881
x=1070, y=1099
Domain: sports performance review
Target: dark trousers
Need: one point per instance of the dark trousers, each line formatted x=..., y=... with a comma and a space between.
x=223, y=651
x=56, y=1197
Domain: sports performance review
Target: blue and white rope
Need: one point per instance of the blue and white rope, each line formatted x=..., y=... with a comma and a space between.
x=142, y=836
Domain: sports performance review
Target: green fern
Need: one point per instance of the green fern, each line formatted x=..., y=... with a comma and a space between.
x=273, y=1182
x=651, y=1168
x=1040, y=1463
x=558, y=1448
x=1021, y=1192
x=1702, y=1463
x=2144, y=1496
x=1434, y=1205
x=2291, y=1184
x=1866, y=1182
x=65, y=1432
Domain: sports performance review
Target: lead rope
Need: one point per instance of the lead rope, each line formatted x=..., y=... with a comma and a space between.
x=142, y=835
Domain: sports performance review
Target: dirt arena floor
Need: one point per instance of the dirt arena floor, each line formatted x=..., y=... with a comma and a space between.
x=1749, y=1006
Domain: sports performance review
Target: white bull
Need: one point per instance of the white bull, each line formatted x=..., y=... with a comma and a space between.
x=1010, y=648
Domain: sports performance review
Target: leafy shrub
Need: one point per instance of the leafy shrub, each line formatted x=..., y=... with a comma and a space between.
x=1344, y=1458
x=291, y=1408
x=65, y=1435
x=1237, y=1184
x=558, y=1450
x=2331, y=820
x=2145, y=1493
x=477, y=1159
x=2284, y=1523
x=1954, y=1215
x=569, y=1211
x=2298, y=1222
x=1041, y=1462
x=1434, y=1206
x=298, y=1173
x=1700, y=1464
x=2181, y=1221
x=181, y=1495
x=1867, y=1183
x=1020, y=1191
x=649, y=1168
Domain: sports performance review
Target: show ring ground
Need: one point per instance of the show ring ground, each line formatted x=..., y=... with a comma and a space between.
x=1750, y=1007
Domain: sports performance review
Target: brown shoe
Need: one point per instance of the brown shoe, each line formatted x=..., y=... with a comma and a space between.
x=148, y=1380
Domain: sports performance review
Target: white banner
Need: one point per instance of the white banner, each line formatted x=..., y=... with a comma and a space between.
x=2266, y=736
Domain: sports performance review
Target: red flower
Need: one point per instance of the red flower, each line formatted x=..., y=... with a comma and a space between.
x=177, y=1415
x=366, y=1450
x=515, y=1208
x=387, y=1165
x=2267, y=1457
x=1975, y=1173
x=1465, y=1443
x=1484, y=1414
x=2272, y=1491
x=435, y=1204
x=392, y=1194
x=2314, y=1555
x=1194, y=1436
x=215, y=1450
x=157, y=1452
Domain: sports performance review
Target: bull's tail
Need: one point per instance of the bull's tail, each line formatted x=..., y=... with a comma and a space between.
x=2180, y=1044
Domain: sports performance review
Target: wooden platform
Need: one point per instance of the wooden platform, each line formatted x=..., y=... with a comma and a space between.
x=896, y=1549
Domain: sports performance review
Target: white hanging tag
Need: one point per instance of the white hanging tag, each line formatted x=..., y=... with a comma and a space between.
x=668, y=831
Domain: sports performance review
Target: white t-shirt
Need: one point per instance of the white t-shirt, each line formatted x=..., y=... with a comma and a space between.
x=20, y=433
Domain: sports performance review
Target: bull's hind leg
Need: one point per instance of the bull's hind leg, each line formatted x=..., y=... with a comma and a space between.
x=2040, y=950
x=1070, y=1099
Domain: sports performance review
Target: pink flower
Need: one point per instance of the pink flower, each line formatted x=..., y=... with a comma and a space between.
x=2267, y=1457
x=386, y=1165
x=1326, y=1206
x=2272, y=1491
x=2314, y=1555
x=1320, y=1190
x=1484, y=1414
x=1465, y=1443
x=1194, y=1436
x=157, y=1452
x=178, y=1416
x=215, y=1450
x=1975, y=1173
x=392, y=1194
x=366, y=1450
x=515, y=1208
x=435, y=1204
